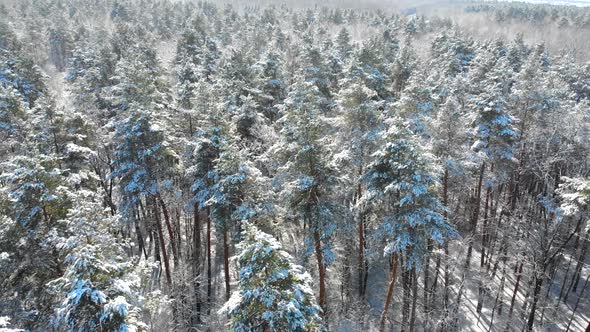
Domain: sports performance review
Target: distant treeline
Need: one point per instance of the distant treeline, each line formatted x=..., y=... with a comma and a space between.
x=562, y=16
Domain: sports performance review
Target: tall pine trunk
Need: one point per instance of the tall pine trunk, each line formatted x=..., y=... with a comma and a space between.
x=196, y=265
x=414, y=286
x=538, y=282
x=321, y=270
x=580, y=297
x=226, y=263
x=162, y=243
x=361, y=262
x=406, y=299
x=392, y=276
x=170, y=229
x=516, y=288
x=446, y=245
x=427, y=277
x=475, y=215
x=209, y=265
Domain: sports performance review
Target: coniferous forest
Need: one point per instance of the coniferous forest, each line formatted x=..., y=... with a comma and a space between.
x=294, y=166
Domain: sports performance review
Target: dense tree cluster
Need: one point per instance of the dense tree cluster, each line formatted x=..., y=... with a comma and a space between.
x=561, y=16
x=188, y=166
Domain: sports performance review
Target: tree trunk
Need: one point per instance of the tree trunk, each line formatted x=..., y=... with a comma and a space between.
x=513, y=300
x=162, y=243
x=563, y=292
x=434, y=287
x=576, y=306
x=475, y=215
x=549, y=281
x=170, y=230
x=209, y=274
x=197, y=265
x=226, y=264
x=392, y=275
x=346, y=286
x=427, y=277
x=366, y=277
x=414, y=281
x=361, y=262
x=499, y=297
x=536, y=292
x=140, y=240
x=484, y=229
x=581, y=259
x=446, y=245
x=406, y=278
x=361, y=266
x=447, y=278
x=321, y=270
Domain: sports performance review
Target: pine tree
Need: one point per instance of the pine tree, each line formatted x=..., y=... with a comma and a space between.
x=144, y=164
x=273, y=294
x=99, y=284
x=360, y=111
x=270, y=81
x=308, y=173
x=343, y=44
x=32, y=202
x=231, y=199
x=204, y=150
x=401, y=184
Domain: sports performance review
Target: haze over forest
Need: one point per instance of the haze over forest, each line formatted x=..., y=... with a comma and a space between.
x=337, y=165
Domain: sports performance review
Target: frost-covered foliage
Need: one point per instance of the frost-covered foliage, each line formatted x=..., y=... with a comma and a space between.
x=494, y=127
x=273, y=293
x=575, y=196
x=270, y=82
x=203, y=152
x=138, y=82
x=99, y=285
x=36, y=194
x=307, y=170
x=4, y=325
x=454, y=51
x=12, y=112
x=90, y=74
x=234, y=189
x=401, y=188
x=143, y=158
x=21, y=74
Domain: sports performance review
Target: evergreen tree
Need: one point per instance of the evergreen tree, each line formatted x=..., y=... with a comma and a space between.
x=33, y=202
x=98, y=283
x=270, y=81
x=401, y=184
x=273, y=294
x=360, y=112
x=308, y=172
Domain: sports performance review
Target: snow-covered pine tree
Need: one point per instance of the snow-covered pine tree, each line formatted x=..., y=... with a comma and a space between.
x=401, y=192
x=360, y=112
x=270, y=82
x=143, y=164
x=273, y=293
x=343, y=44
x=99, y=289
x=308, y=173
x=203, y=150
x=231, y=199
x=32, y=201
